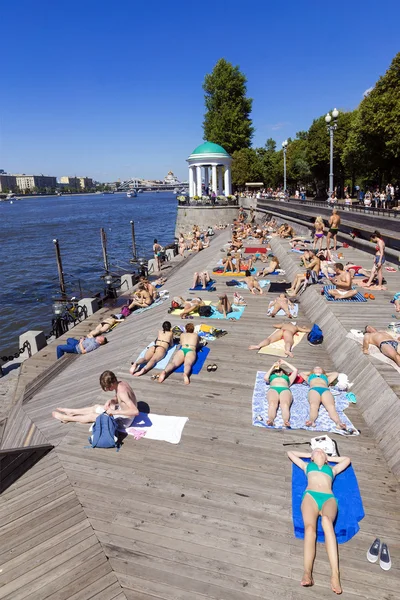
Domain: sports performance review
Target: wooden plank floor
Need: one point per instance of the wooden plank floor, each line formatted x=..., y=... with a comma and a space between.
x=210, y=517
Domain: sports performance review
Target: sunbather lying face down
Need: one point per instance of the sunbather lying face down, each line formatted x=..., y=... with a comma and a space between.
x=154, y=354
x=252, y=283
x=280, y=303
x=186, y=355
x=280, y=377
x=285, y=332
x=319, y=393
x=389, y=346
x=318, y=500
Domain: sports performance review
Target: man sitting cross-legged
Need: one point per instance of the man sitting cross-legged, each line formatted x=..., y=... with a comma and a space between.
x=343, y=282
x=122, y=406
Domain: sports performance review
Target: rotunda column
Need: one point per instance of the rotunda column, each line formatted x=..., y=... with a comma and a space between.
x=214, y=179
x=220, y=186
x=228, y=184
x=199, y=189
x=191, y=182
x=206, y=177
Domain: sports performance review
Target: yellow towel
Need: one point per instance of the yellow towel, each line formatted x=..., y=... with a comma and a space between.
x=178, y=311
x=278, y=348
x=230, y=274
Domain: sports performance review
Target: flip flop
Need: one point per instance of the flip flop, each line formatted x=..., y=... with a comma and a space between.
x=371, y=297
x=209, y=368
x=351, y=397
x=366, y=295
x=154, y=377
x=214, y=367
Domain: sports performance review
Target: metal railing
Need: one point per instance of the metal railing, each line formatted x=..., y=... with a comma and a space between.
x=357, y=207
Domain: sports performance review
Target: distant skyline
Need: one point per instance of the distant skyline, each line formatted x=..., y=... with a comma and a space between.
x=114, y=91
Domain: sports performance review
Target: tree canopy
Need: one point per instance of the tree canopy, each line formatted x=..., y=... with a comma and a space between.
x=227, y=119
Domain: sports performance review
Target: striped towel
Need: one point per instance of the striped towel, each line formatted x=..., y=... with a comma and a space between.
x=357, y=298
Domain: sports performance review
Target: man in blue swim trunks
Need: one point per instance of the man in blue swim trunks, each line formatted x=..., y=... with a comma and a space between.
x=388, y=345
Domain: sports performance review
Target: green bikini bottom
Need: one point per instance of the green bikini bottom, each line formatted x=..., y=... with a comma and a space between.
x=186, y=350
x=319, y=497
x=278, y=389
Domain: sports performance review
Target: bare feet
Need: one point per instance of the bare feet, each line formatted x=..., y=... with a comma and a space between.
x=270, y=423
x=186, y=379
x=289, y=353
x=59, y=416
x=310, y=423
x=67, y=411
x=133, y=368
x=341, y=425
x=254, y=347
x=286, y=423
x=335, y=584
x=162, y=376
x=307, y=580
x=139, y=373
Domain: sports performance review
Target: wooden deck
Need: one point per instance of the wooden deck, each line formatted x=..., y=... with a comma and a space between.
x=208, y=518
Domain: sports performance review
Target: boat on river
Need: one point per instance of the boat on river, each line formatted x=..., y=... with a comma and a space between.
x=131, y=194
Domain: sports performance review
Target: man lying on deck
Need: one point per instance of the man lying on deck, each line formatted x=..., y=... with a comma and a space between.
x=343, y=282
x=186, y=355
x=286, y=332
x=252, y=283
x=81, y=346
x=384, y=341
x=122, y=406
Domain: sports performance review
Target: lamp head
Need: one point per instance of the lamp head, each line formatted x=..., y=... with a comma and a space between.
x=335, y=113
x=328, y=118
x=284, y=143
x=108, y=279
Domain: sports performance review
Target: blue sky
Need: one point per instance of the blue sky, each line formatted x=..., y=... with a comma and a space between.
x=114, y=89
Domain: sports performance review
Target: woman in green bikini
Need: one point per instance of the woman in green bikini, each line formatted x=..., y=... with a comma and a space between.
x=186, y=355
x=319, y=393
x=318, y=500
x=279, y=392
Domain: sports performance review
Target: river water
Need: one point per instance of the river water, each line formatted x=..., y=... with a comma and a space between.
x=28, y=268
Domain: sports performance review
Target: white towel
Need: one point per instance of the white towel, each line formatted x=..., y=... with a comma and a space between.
x=159, y=427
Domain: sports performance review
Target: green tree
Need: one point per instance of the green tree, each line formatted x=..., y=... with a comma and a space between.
x=373, y=146
x=246, y=167
x=227, y=119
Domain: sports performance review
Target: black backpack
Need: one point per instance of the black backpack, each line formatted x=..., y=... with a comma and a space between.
x=205, y=311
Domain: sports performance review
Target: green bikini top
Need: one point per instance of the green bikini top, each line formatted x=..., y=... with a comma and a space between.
x=324, y=469
x=275, y=376
x=314, y=375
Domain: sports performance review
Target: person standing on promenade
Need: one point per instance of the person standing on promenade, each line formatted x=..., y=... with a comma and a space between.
x=379, y=259
x=157, y=249
x=81, y=346
x=123, y=406
x=334, y=222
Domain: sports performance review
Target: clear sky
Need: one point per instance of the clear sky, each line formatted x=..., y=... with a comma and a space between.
x=112, y=89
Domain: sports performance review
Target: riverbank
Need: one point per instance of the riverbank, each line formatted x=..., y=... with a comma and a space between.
x=187, y=518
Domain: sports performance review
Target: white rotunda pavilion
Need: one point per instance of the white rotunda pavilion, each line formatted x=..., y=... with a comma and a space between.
x=216, y=163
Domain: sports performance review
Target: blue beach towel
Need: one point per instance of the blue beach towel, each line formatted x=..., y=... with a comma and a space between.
x=243, y=285
x=235, y=314
x=200, y=360
x=141, y=310
x=350, y=506
x=164, y=361
x=199, y=288
x=357, y=298
x=300, y=409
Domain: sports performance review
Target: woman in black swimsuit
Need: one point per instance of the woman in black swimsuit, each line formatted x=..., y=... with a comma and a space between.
x=154, y=353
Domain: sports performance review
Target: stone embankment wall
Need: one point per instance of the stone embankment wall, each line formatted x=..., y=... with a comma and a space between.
x=203, y=216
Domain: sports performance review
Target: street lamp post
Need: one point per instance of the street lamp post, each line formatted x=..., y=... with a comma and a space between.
x=330, y=129
x=284, y=146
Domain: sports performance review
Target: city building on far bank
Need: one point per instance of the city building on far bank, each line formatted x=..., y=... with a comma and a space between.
x=8, y=183
x=76, y=183
x=26, y=183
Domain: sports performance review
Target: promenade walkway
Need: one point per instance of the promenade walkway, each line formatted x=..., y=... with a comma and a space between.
x=207, y=518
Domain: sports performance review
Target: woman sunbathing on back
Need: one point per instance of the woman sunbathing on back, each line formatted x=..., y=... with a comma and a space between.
x=279, y=392
x=319, y=393
x=272, y=266
x=318, y=500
